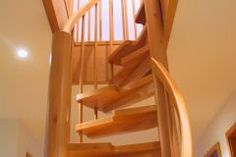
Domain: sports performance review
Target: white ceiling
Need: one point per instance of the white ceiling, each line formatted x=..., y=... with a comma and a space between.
x=202, y=57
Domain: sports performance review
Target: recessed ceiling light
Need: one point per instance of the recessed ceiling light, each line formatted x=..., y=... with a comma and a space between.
x=22, y=53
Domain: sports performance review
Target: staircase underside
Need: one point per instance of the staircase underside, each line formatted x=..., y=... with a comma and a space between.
x=151, y=149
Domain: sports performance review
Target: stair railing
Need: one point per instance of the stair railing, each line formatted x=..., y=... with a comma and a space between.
x=176, y=97
x=80, y=16
x=173, y=120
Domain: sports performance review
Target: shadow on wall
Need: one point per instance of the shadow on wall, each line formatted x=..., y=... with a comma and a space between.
x=217, y=129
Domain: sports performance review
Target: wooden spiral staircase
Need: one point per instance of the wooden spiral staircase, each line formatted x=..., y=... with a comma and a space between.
x=144, y=73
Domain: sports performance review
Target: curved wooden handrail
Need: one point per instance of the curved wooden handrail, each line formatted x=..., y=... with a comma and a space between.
x=186, y=137
x=72, y=21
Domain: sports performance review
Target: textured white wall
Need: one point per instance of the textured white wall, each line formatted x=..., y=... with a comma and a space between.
x=217, y=129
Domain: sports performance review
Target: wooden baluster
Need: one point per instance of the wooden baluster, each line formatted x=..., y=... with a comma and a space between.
x=134, y=15
x=95, y=54
x=100, y=20
x=59, y=98
x=78, y=25
x=124, y=19
x=89, y=25
x=82, y=73
x=111, y=33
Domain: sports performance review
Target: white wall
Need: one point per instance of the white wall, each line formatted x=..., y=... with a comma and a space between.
x=16, y=140
x=217, y=129
x=8, y=137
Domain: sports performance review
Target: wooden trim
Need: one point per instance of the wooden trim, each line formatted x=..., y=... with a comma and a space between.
x=100, y=43
x=216, y=148
x=230, y=134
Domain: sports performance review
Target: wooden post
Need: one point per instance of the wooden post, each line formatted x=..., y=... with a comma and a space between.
x=158, y=52
x=59, y=99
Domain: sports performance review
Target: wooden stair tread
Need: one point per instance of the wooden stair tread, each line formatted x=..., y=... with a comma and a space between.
x=140, y=16
x=111, y=97
x=136, y=66
x=90, y=149
x=122, y=121
x=108, y=150
x=128, y=47
x=137, y=55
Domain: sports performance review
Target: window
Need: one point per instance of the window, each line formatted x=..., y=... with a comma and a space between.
x=214, y=151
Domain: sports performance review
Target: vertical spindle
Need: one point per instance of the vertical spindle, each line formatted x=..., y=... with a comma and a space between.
x=95, y=54
x=81, y=74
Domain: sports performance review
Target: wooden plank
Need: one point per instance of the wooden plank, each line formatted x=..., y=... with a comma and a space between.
x=90, y=149
x=137, y=148
x=110, y=97
x=123, y=121
x=128, y=47
x=56, y=13
x=140, y=16
x=148, y=149
x=137, y=55
x=102, y=49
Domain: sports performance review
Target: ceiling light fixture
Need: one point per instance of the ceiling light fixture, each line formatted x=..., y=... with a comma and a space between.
x=21, y=53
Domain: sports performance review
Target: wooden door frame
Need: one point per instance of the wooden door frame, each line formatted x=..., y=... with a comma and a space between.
x=229, y=135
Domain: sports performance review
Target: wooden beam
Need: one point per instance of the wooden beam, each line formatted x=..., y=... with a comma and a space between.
x=57, y=13
x=48, y=5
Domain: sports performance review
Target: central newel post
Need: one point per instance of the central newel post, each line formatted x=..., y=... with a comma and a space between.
x=59, y=99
